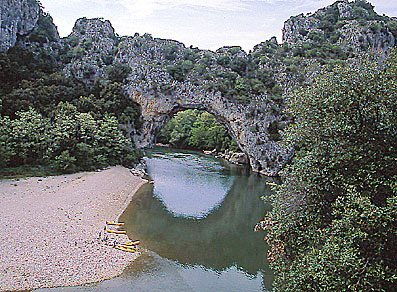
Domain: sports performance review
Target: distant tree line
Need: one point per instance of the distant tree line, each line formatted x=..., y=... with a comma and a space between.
x=195, y=129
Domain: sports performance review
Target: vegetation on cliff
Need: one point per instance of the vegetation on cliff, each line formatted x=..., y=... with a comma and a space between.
x=60, y=123
x=329, y=36
x=332, y=227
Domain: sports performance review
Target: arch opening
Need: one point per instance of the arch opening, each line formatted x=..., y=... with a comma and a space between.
x=199, y=129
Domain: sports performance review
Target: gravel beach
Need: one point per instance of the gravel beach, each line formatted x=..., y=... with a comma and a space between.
x=49, y=228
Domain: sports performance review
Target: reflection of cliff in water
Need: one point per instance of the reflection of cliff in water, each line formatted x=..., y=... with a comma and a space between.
x=224, y=238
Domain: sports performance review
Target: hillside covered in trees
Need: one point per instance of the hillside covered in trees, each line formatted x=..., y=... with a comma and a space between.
x=57, y=124
x=94, y=72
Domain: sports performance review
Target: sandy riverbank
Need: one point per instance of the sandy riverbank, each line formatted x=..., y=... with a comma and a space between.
x=49, y=228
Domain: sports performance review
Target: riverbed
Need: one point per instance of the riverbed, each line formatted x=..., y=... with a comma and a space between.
x=50, y=225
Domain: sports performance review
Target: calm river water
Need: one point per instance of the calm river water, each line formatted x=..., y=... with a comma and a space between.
x=196, y=223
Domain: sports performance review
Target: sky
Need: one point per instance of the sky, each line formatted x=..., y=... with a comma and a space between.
x=207, y=24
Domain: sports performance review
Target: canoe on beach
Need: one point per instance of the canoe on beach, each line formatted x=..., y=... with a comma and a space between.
x=131, y=243
x=127, y=249
x=116, y=231
x=115, y=223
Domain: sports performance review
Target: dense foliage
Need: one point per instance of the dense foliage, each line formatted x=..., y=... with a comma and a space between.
x=194, y=129
x=45, y=30
x=333, y=225
x=62, y=123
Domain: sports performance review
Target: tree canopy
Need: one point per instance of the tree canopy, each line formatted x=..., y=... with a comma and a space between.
x=194, y=129
x=332, y=227
x=59, y=123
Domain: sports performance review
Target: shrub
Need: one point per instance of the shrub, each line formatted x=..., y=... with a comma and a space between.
x=118, y=72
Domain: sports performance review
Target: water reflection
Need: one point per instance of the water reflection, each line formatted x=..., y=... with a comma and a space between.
x=196, y=223
x=189, y=185
x=223, y=239
x=220, y=241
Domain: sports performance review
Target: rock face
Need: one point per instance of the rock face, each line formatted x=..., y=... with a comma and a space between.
x=92, y=42
x=238, y=158
x=17, y=18
x=161, y=95
x=351, y=25
x=251, y=134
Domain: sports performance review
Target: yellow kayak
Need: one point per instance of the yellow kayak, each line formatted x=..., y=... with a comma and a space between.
x=123, y=248
x=115, y=223
x=126, y=246
x=116, y=231
x=131, y=243
x=271, y=184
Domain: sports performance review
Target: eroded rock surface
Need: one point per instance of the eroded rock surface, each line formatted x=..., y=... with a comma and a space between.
x=17, y=18
x=352, y=26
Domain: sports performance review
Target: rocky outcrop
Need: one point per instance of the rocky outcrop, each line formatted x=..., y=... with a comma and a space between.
x=92, y=46
x=166, y=77
x=238, y=158
x=354, y=26
x=160, y=94
x=17, y=18
x=297, y=28
x=251, y=134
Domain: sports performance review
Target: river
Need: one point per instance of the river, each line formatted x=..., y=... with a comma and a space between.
x=196, y=224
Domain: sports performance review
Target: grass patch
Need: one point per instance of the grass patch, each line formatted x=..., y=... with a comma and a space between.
x=27, y=171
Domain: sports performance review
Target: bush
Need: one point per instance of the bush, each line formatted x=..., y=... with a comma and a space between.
x=171, y=52
x=181, y=70
x=196, y=129
x=118, y=72
x=45, y=30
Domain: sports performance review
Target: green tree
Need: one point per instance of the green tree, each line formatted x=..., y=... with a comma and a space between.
x=78, y=141
x=182, y=128
x=332, y=227
x=118, y=72
x=208, y=133
x=28, y=138
x=45, y=30
x=194, y=129
x=6, y=152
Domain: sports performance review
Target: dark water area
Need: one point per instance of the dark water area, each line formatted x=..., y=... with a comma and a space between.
x=196, y=223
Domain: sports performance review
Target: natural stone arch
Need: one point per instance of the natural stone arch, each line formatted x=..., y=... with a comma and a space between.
x=151, y=84
x=155, y=121
x=267, y=157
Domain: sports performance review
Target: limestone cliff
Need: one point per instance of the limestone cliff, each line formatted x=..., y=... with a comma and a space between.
x=92, y=44
x=354, y=26
x=245, y=92
x=17, y=18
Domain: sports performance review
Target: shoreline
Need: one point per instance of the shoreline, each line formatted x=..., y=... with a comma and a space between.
x=50, y=228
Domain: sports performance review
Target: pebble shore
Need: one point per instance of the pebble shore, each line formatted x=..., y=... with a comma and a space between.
x=49, y=228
